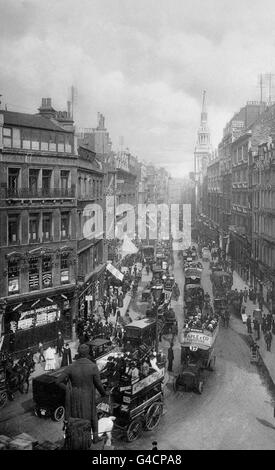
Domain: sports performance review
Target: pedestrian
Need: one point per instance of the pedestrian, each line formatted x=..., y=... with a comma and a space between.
x=248, y=324
x=59, y=344
x=41, y=353
x=245, y=294
x=120, y=300
x=264, y=324
x=260, y=301
x=81, y=380
x=170, y=354
x=66, y=356
x=268, y=340
x=50, y=359
x=114, y=305
x=257, y=328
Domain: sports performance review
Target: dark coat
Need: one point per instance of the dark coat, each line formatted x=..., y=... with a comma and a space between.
x=81, y=379
x=60, y=342
x=66, y=357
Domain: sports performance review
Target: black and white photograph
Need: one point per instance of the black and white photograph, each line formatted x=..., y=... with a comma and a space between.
x=137, y=228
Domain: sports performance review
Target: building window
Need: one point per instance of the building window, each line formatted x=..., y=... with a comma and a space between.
x=7, y=137
x=26, y=139
x=64, y=268
x=13, y=229
x=16, y=138
x=13, y=180
x=35, y=142
x=33, y=181
x=65, y=224
x=68, y=143
x=52, y=144
x=45, y=140
x=13, y=277
x=61, y=143
x=47, y=226
x=64, y=178
x=46, y=271
x=33, y=227
x=34, y=274
x=46, y=182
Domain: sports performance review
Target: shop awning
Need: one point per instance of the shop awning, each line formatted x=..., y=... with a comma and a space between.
x=115, y=272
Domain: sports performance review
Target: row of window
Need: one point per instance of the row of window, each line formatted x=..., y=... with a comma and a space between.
x=264, y=199
x=265, y=253
x=240, y=176
x=39, y=273
x=40, y=227
x=35, y=139
x=38, y=178
x=240, y=154
x=88, y=186
x=264, y=225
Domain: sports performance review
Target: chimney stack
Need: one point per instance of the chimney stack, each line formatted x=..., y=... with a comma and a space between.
x=46, y=108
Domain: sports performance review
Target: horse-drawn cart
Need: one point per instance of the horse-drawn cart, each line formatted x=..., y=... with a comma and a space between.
x=138, y=406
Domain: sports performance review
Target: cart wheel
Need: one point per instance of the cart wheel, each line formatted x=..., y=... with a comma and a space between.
x=153, y=416
x=3, y=399
x=58, y=413
x=200, y=387
x=134, y=430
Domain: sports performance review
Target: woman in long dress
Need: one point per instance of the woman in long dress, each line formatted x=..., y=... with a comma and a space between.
x=50, y=359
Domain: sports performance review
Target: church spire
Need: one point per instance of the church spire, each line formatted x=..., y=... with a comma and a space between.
x=203, y=111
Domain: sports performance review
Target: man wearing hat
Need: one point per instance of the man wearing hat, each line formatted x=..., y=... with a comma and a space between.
x=59, y=344
x=81, y=379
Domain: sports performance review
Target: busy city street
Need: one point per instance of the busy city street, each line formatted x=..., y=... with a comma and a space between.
x=137, y=227
x=237, y=396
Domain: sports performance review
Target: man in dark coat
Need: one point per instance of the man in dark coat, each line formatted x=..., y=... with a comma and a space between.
x=248, y=324
x=170, y=354
x=268, y=340
x=59, y=344
x=66, y=356
x=81, y=379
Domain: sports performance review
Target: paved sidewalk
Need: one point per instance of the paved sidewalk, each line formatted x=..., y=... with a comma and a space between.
x=267, y=357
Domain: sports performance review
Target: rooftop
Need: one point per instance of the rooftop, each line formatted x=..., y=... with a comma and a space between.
x=12, y=118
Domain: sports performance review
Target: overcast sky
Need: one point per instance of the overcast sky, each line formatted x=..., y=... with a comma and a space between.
x=142, y=63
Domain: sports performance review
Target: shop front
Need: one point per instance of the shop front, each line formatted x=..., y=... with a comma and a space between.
x=26, y=321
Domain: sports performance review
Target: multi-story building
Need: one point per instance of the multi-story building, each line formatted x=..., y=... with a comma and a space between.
x=263, y=227
x=214, y=199
x=38, y=172
x=241, y=210
x=91, y=217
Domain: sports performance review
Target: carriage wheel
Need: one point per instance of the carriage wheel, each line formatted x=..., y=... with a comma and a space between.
x=58, y=413
x=153, y=416
x=3, y=399
x=134, y=430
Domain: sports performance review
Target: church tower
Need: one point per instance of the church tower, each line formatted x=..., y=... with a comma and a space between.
x=202, y=154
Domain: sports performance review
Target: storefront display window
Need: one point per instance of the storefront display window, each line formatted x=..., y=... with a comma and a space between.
x=13, y=277
x=34, y=274
x=64, y=266
x=46, y=271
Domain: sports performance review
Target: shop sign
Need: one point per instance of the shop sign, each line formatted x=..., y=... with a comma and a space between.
x=64, y=276
x=148, y=381
x=198, y=339
x=13, y=285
